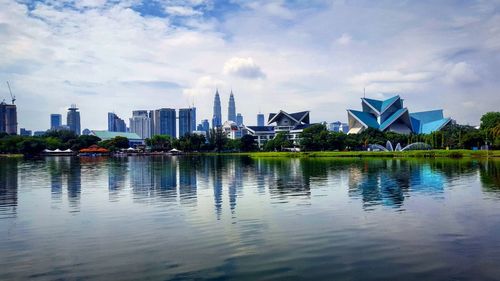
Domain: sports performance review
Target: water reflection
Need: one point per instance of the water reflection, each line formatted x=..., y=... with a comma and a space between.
x=385, y=182
x=389, y=182
x=8, y=187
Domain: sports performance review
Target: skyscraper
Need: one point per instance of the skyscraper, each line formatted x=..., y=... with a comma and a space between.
x=231, y=111
x=187, y=120
x=260, y=119
x=115, y=123
x=55, y=121
x=239, y=119
x=73, y=119
x=140, y=123
x=8, y=118
x=217, y=117
x=165, y=122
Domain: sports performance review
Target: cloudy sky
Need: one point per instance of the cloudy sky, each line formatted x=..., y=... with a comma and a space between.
x=107, y=55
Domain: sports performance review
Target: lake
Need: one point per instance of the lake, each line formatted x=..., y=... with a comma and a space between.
x=237, y=218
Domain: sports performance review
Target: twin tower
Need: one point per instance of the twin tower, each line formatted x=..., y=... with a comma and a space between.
x=231, y=112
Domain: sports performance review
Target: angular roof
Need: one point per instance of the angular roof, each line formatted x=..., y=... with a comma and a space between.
x=261, y=128
x=364, y=117
x=106, y=135
x=381, y=105
x=395, y=116
x=299, y=117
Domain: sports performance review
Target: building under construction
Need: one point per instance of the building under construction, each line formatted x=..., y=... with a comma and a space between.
x=8, y=116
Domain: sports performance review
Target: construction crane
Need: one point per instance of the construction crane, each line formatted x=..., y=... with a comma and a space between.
x=11, y=95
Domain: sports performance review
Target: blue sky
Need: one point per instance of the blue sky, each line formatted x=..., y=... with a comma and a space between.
x=291, y=55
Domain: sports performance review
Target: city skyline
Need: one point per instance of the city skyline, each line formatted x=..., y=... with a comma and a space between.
x=319, y=56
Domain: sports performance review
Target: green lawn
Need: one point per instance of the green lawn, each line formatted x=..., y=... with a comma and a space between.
x=416, y=153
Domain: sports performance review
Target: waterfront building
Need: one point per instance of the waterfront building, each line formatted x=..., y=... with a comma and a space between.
x=231, y=111
x=239, y=119
x=290, y=123
x=165, y=120
x=232, y=130
x=391, y=115
x=260, y=119
x=261, y=134
x=25, y=133
x=187, y=121
x=133, y=138
x=8, y=118
x=140, y=123
x=55, y=121
x=217, y=116
x=115, y=123
x=86, y=132
x=73, y=119
x=338, y=127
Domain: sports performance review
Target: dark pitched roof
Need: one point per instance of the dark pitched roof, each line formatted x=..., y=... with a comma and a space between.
x=261, y=128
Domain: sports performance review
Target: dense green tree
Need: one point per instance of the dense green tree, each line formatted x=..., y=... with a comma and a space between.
x=218, y=139
x=190, y=142
x=53, y=143
x=63, y=135
x=115, y=143
x=490, y=120
x=160, y=142
x=248, y=143
x=31, y=146
x=278, y=143
x=314, y=138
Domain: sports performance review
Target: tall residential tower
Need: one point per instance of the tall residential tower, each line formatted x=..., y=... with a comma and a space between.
x=187, y=121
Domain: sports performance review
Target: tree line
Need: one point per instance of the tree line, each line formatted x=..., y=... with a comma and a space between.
x=314, y=138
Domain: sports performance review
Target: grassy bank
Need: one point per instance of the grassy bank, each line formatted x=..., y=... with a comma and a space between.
x=11, y=155
x=395, y=154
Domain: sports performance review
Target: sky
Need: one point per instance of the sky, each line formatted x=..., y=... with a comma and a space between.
x=321, y=56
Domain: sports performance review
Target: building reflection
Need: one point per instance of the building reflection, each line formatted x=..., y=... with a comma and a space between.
x=8, y=187
x=389, y=182
x=117, y=177
x=287, y=178
x=74, y=182
x=216, y=166
x=187, y=179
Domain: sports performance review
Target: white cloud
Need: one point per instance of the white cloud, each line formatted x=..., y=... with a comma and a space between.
x=345, y=39
x=243, y=67
x=79, y=52
x=461, y=73
x=181, y=11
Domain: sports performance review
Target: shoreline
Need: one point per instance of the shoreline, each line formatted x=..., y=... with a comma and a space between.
x=372, y=154
x=453, y=154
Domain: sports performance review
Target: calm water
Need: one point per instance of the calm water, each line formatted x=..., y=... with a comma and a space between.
x=236, y=218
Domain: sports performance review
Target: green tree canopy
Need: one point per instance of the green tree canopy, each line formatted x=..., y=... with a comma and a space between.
x=490, y=120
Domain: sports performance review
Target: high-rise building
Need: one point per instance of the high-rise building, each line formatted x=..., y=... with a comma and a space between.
x=260, y=119
x=55, y=121
x=8, y=118
x=73, y=119
x=206, y=125
x=165, y=122
x=239, y=119
x=231, y=112
x=217, y=117
x=187, y=121
x=140, y=123
x=115, y=123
